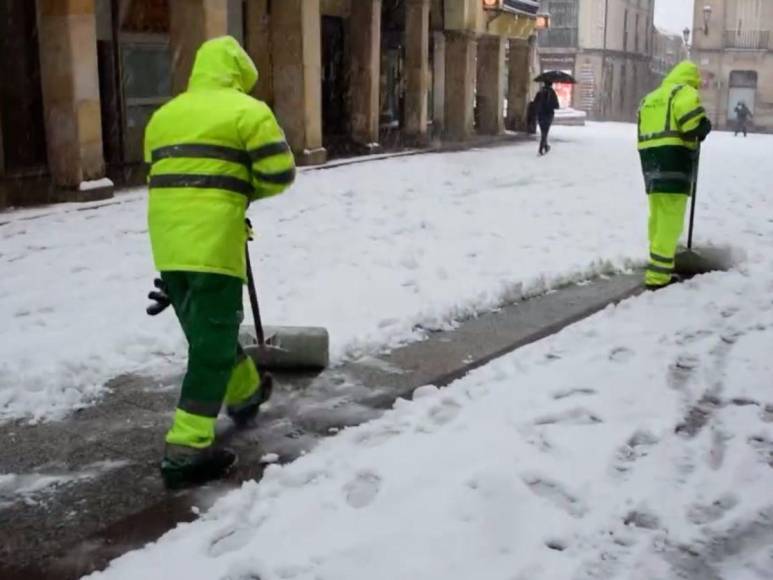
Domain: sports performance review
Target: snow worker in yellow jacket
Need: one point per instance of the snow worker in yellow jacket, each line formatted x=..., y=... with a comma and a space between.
x=672, y=123
x=212, y=151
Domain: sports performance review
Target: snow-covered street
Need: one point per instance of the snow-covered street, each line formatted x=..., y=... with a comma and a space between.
x=637, y=444
x=369, y=251
x=393, y=244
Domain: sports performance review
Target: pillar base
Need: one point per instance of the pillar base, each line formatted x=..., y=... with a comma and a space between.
x=421, y=141
x=367, y=148
x=316, y=156
x=104, y=189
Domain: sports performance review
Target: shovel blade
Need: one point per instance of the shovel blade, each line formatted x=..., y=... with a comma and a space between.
x=689, y=263
x=291, y=348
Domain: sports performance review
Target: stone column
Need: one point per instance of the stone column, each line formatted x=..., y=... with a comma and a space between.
x=491, y=85
x=518, y=85
x=365, y=72
x=461, y=52
x=417, y=69
x=258, y=45
x=191, y=23
x=297, y=76
x=438, y=83
x=70, y=86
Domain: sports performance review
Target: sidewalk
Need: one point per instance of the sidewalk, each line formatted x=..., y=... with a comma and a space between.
x=88, y=490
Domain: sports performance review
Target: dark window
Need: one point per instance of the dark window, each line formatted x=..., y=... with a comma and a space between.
x=563, y=24
x=21, y=98
x=743, y=78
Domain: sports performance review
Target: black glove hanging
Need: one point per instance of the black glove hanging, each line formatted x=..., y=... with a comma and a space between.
x=159, y=297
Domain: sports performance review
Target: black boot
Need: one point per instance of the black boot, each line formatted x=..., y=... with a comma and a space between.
x=245, y=413
x=185, y=467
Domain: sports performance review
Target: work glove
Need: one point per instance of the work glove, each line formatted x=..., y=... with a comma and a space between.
x=159, y=297
x=250, y=231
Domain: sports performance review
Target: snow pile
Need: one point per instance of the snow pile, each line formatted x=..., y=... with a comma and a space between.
x=637, y=445
x=95, y=184
x=373, y=252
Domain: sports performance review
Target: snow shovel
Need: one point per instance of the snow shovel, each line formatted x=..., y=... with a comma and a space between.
x=285, y=347
x=692, y=262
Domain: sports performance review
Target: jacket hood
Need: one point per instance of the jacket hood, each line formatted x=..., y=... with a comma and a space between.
x=222, y=63
x=685, y=73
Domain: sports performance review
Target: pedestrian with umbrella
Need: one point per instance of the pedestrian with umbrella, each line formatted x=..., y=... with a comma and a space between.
x=546, y=103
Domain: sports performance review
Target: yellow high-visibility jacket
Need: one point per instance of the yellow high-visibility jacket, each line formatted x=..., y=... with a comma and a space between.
x=212, y=150
x=671, y=124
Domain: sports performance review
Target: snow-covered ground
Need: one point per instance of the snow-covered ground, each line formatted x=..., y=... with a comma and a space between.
x=635, y=445
x=370, y=251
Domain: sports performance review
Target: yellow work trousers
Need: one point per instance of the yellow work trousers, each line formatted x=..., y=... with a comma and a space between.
x=665, y=227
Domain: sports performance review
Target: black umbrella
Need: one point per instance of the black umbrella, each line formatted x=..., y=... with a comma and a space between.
x=555, y=76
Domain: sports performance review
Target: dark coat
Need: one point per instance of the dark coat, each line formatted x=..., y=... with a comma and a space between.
x=545, y=104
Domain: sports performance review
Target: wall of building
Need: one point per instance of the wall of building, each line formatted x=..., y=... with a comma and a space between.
x=611, y=58
x=739, y=37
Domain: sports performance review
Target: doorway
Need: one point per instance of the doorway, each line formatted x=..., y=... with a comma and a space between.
x=21, y=95
x=742, y=88
x=334, y=84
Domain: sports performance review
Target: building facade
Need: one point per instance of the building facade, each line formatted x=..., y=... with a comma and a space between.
x=83, y=77
x=607, y=45
x=667, y=51
x=732, y=44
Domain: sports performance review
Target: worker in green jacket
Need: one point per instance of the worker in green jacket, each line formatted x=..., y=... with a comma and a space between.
x=212, y=150
x=672, y=123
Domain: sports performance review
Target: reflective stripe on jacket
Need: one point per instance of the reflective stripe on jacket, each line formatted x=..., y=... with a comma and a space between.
x=666, y=117
x=212, y=150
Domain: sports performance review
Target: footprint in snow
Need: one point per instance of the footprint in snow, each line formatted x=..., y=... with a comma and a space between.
x=621, y=354
x=636, y=447
x=363, y=489
x=579, y=392
x=445, y=412
x=764, y=447
x=556, y=494
x=680, y=373
x=642, y=519
x=701, y=514
x=231, y=540
x=575, y=416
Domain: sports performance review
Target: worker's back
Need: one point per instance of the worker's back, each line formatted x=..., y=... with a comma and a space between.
x=671, y=124
x=212, y=150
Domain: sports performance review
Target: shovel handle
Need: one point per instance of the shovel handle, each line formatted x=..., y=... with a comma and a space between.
x=254, y=300
x=693, y=193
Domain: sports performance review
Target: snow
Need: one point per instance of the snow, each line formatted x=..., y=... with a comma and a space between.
x=582, y=456
x=674, y=15
x=95, y=184
x=405, y=243
x=370, y=236
x=635, y=445
x=35, y=487
x=269, y=458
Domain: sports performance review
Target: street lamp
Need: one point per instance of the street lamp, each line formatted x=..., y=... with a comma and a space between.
x=686, y=36
x=706, y=18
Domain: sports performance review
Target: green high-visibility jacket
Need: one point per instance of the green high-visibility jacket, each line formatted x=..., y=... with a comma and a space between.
x=671, y=122
x=212, y=150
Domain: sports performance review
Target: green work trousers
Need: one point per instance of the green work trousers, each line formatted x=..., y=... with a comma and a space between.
x=209, y=308
x=665, y=227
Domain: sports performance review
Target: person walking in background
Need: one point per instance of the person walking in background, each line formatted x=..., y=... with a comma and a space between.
x=545, y=105
x=742, y=116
